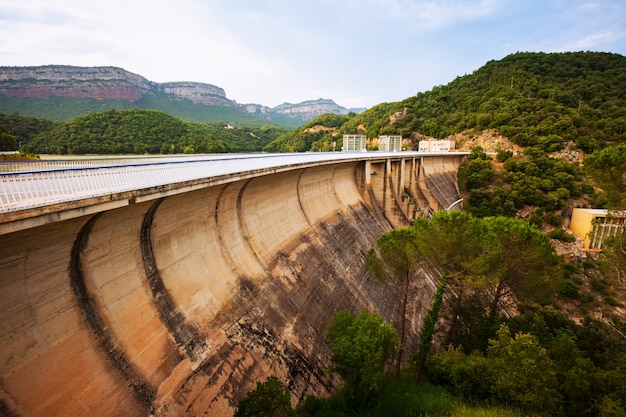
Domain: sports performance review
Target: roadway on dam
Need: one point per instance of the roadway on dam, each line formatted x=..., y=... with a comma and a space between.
x=30, y=189
x=174, y=298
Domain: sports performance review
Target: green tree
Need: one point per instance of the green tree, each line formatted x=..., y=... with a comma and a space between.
x=521, y=260
x=577, y=375
x=396, y=260
x=608, y=169
x=428, y=328
x=7, y=141
x=525, y=376
x=268, y=399
x=361, y=346
x=453, y=243
x=609, y=407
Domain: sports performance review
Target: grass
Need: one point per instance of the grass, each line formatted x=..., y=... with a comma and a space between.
x=401, y=397
x=464, y=410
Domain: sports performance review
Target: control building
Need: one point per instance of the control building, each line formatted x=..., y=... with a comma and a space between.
x=390, y=143
x=443, y=145
x=354, y=143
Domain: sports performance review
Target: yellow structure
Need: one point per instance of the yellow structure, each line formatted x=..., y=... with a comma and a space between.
x=595, y=225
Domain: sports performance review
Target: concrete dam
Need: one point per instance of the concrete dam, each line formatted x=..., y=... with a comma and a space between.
x=176, y=297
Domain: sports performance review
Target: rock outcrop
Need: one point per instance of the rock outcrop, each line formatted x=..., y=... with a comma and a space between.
x=311, y=108
x=197, y=92
x=100, y=83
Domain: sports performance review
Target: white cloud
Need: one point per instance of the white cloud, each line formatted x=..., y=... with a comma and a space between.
x=595, y=41
x=271, y=51
x=424, y=13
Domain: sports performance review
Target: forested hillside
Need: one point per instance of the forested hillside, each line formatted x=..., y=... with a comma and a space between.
x=534, y=99
x=132, y=132
x=68, y=108
x=316, y=135
x=558, y=346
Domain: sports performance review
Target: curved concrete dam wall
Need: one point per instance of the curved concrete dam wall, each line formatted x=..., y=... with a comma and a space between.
x=178, y=306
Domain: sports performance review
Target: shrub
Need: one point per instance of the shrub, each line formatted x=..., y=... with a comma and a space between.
x=524, y=374
x=268, y=399
x=503, y=155
x=569, y=289
x=562, y=235
x=361, y=346
x=468, y=376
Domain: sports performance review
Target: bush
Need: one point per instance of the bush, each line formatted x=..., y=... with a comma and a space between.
x=503, y=155
x=612, y=301
x=524, y=374
x=562, y=235
x=468, y=376
x=268, y=399
x=553, y=218
x=361, y=346
x=569, y=289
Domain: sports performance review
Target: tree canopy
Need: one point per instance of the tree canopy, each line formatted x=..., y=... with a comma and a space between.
x=521, y=263
x=531, y=179
x=491, y=263
x=396, y=260
x=134, y=132
x=361, y=345
x=268, y=399
x=608, y=168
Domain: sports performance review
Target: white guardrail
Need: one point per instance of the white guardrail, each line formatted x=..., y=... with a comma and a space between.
x=31, y=184
x=25, y=185
x=22, y=190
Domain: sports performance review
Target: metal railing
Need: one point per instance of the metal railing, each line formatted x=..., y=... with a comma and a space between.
x=31, y=184
x=30, y=189
x=94, y=162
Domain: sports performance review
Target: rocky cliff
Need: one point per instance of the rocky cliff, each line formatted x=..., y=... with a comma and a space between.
x=100, y=83
x=311, y=108
x=197, y=92
x=51, y=82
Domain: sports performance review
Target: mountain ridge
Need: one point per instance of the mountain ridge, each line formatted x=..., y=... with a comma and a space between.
x=115, y=87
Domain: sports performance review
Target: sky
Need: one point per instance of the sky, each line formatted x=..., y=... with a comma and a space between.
x=358, y=53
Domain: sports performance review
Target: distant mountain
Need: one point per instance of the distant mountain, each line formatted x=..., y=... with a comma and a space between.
x=62, y=93
x=297, y=114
